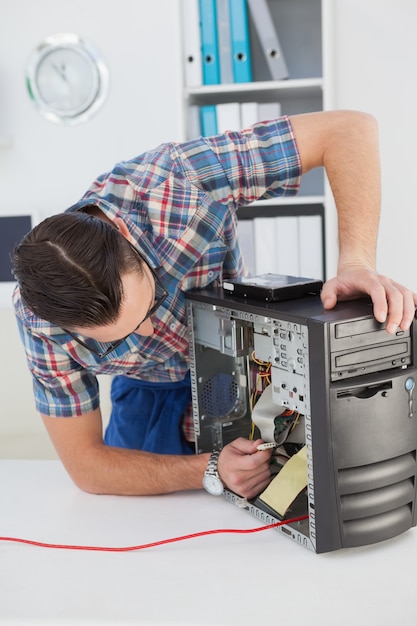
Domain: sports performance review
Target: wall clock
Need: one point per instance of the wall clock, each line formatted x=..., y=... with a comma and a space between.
x=67, y=78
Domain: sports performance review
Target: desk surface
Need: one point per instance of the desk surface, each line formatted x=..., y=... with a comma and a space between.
x=220, y=579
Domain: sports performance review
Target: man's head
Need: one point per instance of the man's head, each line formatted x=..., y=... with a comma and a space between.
x=70, y=270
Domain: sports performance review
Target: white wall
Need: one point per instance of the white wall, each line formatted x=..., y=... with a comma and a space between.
x=47, y=167
x=374, y=67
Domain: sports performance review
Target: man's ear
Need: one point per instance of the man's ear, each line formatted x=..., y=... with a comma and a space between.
x=121, y=226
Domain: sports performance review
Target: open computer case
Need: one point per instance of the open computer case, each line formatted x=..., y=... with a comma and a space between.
x=332, y=389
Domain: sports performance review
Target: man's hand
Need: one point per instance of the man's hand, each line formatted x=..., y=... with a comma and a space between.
x=346, y=143
x=244, y=469
x=392, y=302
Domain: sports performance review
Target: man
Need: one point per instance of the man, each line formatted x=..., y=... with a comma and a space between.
x=101, y=291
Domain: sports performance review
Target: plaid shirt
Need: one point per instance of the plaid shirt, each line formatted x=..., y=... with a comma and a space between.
x=179, y=203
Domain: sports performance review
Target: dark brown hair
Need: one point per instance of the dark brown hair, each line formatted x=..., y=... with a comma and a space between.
x=69, y=270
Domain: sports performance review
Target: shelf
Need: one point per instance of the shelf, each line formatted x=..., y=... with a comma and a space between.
x=298, y=95
x=302, y=86
x=293, y=201
x=303, y=205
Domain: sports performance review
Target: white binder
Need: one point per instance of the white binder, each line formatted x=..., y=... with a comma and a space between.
x=265, y=245
x=228, y=116
x=193, y=122
x=269, y=111
x=287, y=245
x=310, y=242
x=246, y=243
x=192, y=62
x=249, y=114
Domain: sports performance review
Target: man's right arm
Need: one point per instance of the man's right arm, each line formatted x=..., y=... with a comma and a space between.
x=97, y=468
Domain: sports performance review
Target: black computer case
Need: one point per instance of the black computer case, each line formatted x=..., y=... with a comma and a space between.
x=351, y=386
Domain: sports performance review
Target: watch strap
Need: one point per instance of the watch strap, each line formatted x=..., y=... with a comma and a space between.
x=212, y=464
x=212, y=482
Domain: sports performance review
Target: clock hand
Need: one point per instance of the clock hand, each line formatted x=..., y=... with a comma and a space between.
x=60, y=71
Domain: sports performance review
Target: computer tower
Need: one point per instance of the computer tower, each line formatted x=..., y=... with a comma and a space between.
x=350, y=386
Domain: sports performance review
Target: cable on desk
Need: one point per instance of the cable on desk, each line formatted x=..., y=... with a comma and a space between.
x=154, y=544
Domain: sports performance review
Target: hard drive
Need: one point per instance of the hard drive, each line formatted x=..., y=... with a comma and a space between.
x=272, y=287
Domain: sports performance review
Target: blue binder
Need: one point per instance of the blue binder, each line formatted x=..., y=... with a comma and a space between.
x=239, y=28
x=208, y=120
x=209, y=43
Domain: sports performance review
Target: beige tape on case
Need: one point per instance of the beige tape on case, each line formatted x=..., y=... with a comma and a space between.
x=286, y=486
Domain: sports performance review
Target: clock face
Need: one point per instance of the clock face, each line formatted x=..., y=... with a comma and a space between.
x=213, y=485
x=67, y=79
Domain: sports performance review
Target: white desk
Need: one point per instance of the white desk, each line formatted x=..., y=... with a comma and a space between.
x=216, y=580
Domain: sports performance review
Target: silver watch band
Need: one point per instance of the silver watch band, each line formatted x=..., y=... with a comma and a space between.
x=212, y=464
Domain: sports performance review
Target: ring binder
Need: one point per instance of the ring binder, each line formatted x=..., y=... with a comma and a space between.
x=224, y=41
x=192, y=62
x=208, y=120
x=268, y=38
x=239, y=26
x=209, y=44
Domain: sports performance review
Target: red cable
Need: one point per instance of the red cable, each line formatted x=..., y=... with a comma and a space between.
x=155, y=543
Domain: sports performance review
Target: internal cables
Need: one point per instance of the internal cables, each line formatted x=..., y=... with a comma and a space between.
x=154, y=544
x=262, y=378
x=262, y=373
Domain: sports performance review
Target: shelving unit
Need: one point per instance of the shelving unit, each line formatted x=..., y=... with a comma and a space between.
x=299, y=26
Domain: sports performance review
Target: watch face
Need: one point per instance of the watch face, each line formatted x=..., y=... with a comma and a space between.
x=67, y=79
x=213, y=485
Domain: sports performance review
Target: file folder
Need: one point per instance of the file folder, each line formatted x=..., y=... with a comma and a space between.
x=208, y=120
x=192, y=63
x=228, y=116
x=310, y=245
x=246, y=244
x=269, y=111
x=249, y=114
x=287, y=245
x=239, y=29
x=224, y=41
x=193, y=122
x=209, y=42
x=267, y=34
x=265, y=246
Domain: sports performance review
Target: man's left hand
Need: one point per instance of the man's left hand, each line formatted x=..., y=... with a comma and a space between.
x=393, y=303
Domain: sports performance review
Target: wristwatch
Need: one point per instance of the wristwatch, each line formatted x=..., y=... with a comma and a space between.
x=211, y=480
